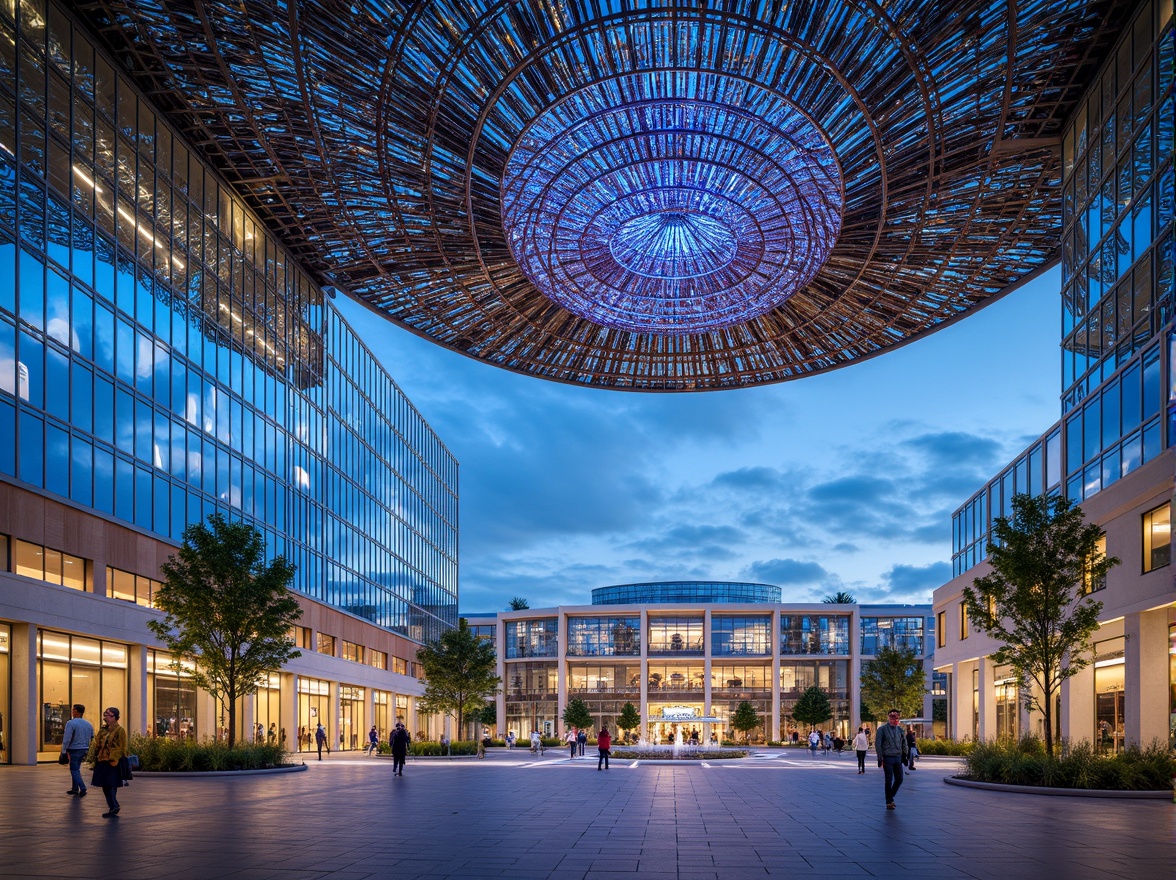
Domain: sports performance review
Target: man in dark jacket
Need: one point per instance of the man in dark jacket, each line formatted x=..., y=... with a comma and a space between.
x=399, y=742
x=891, y=746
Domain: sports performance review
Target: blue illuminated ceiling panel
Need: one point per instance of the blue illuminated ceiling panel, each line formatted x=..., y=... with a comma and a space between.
x=638, y=194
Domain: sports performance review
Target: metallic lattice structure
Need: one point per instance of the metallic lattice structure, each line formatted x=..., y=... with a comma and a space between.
x=639, y=194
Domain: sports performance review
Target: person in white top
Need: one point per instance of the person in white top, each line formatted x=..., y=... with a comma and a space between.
x=570, y=739
x=861, y=745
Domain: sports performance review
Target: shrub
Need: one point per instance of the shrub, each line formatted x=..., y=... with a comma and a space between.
x=944, y=747
x=168, y=755
x=427, y=749
x=1080, y=765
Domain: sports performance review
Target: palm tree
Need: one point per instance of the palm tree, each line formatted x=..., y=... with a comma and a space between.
x=841, y=597
x=518, y=603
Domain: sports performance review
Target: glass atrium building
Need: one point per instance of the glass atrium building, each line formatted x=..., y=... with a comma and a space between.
x=162, y=357
x=1111, y=451
x=676, y=656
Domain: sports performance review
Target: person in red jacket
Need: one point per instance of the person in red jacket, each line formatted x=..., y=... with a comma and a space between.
x=603, y=744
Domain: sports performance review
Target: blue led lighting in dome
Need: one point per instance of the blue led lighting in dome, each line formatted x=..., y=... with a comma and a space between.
x=673, y=244
x=659, y=202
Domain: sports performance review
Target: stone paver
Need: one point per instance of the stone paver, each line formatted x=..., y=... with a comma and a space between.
x=512, y=816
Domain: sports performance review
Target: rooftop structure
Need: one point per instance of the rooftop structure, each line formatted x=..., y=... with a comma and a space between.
x=684, y=591
x=649, y=196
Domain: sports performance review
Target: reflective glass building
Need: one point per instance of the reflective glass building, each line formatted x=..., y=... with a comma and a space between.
x=674, y=655
x=162, y=356
x=1112, y=449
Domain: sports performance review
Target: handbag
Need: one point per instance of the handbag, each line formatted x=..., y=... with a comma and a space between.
x=124, y=767
x=63, y=758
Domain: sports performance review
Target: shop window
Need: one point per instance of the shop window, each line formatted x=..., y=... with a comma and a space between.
x=300, y=635
x=964, y=628
x=1157, y=537
x=326, y=644
x=378, y=659
x=941, y=629
x=352, y=652
x=399, y=665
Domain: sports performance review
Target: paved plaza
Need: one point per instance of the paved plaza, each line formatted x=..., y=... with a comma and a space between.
x=778, y=814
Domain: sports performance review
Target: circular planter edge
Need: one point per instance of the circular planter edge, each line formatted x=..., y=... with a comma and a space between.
x=219, y=774
x=1057, y=792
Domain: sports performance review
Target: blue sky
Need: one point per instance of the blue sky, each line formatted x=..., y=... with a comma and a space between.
x=845, y=480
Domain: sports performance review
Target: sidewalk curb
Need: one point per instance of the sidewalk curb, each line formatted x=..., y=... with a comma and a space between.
x=218, y=774
x=1059, y=792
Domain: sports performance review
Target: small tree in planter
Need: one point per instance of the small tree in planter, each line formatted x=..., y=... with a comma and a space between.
x=577, y=714
x=629, y=719
x=745, y=719
x=813, y=707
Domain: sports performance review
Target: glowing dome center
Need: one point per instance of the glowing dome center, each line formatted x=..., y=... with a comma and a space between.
x=673, y=244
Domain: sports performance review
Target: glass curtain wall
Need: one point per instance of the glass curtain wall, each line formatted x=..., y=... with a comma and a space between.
x=814, y=634
x=738, y=636
x=72, y=669
x=531, y=698
x=832, y=676
x=171, y=697
x=205, y=370
x=1007, y=694
x=604, y=636
x=314, y=708
x=267, y=711
x=1109, y=694
x=675, y=635
x=532, y=638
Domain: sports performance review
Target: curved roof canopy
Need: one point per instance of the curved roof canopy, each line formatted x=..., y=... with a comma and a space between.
x=639, y=194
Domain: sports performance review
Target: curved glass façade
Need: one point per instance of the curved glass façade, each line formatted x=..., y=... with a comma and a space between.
x=684, y=591
x=162, y=357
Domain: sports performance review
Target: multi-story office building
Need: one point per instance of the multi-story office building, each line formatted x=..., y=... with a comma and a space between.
x=683, y=650
x=162, y=356
x=1111, y=452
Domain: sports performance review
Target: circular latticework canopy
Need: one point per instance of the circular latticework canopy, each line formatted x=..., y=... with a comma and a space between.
x=638, y=194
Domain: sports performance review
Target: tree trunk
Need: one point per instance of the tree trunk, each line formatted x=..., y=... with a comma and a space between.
x=1047, y=710
x=232, y=718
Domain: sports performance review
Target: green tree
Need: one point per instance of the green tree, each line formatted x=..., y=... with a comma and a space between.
x=894, y=679
x=458, y=673
x=489, y=714
x=865, y=713
x=224, y=605
x=745, y=719
x=813, y=707
x=518, y=603
x=841, y=597
x=1035, y=600
x=629, y=719
x=576, y=714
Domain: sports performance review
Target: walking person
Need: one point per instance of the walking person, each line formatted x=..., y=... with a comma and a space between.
x=570, y=739
x=891, y=746
x=814, y=743
x=373, y=741
x=603, y=744
x=912, y=747
x=828, y=744
x=75, y=745
x=320, y=739
x=108, y=747
x=861, y=745
x=581, y=740
x=399, y=741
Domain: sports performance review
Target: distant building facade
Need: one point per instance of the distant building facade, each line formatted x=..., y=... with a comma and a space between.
x=675, y=659
x=1111, y=452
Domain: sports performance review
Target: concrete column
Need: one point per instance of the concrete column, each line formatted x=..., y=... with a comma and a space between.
x=136, y=720
x=1078, y=706
x=775, y=729
x=500, y=671
x=288, y=707
x=26, y=710
x=959, y=702
x=561, y=670
x=987, y=699
x=855, y=669
x=707, y=663
x=644, y=682
x=208, y=715
x=332, y=721
x=1146, y=677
